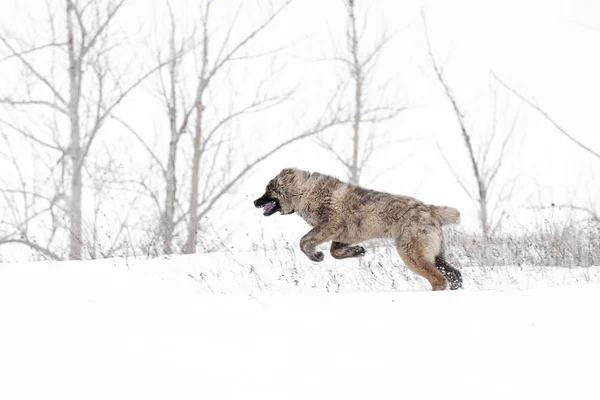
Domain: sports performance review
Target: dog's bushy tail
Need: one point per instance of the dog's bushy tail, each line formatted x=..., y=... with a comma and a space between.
x=446, y=215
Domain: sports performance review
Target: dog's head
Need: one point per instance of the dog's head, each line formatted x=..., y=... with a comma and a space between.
x=283, y=192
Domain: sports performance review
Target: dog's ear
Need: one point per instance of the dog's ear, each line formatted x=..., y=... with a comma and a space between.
x=288, y=171
x=305, y=175
x=295, y=174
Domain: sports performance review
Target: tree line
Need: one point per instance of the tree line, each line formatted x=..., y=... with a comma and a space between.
x=72, y=77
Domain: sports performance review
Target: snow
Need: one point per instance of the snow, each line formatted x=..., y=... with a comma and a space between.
x=150, y=329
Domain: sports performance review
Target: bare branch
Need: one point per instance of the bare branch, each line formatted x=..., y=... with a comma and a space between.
x=494, y=170
x=257, y=55
x=455, y=174
x=255, y=107
x=46, y=252
x=143, y=143
x=594, y=215
x=32, y=50
x=110, y=108
x=327, y=146
x=390, y=113
x=147, y=189
x=16, y=103
x=221, y=61
x=548, y=118
x=457, y=111
x=376, y=51
x=102, y=28
x=225, y=189
x=227, y=37
x=31, y=137
x=33, y=70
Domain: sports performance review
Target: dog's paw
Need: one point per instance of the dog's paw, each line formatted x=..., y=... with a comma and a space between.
x=359, y=251
x=454, y=285
x=455, y=282
x=317, y=256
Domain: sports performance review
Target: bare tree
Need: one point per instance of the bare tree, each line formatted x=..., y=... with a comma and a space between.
x=210, y=65
x=361, y=64
x=212, y=174
x=169, y=90
x=79, y=89
x=484, y=163
x=176, y=129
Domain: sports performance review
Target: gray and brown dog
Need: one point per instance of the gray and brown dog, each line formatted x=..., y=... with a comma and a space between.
x=348, y=214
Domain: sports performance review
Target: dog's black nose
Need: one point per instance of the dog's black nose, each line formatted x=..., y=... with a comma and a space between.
x=260, y=201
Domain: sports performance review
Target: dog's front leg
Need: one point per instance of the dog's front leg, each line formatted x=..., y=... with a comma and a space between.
x=342, y=250
x=312, y=239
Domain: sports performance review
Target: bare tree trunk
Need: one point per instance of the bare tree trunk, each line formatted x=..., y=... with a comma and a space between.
x=171, y=190
x=483, y=212
x=192, y=228
x=482, y=188
x=75, y=142
x=477, y=173
x=190, y=247
x=358, y=82
x=75, y=215
x=169, y=214
x=360, y=61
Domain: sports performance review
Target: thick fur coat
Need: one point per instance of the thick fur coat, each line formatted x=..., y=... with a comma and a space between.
x=347, y=214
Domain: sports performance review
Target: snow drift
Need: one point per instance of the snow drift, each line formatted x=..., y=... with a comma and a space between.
x=131, y=329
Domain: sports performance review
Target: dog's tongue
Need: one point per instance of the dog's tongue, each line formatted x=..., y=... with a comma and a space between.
x=268, y=207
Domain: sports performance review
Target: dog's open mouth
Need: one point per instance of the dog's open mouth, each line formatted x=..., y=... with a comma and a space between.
x=269, y=205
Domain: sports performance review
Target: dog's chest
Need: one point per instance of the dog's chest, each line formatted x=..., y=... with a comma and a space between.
x=309, y=217
x=315, y=216
x=316, y=208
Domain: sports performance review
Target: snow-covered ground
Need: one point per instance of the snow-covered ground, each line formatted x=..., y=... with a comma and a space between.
x=223, y=327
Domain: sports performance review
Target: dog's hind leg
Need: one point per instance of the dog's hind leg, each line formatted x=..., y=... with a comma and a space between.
x=419, y=258
x=341, y=250
x=312, y=239
x=453, y=275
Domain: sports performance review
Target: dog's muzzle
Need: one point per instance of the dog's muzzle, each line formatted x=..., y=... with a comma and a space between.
x=270, y=205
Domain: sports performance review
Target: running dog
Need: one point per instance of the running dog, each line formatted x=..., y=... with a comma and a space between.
x=348, y=214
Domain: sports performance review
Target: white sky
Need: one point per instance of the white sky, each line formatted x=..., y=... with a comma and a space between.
x=545, y=49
